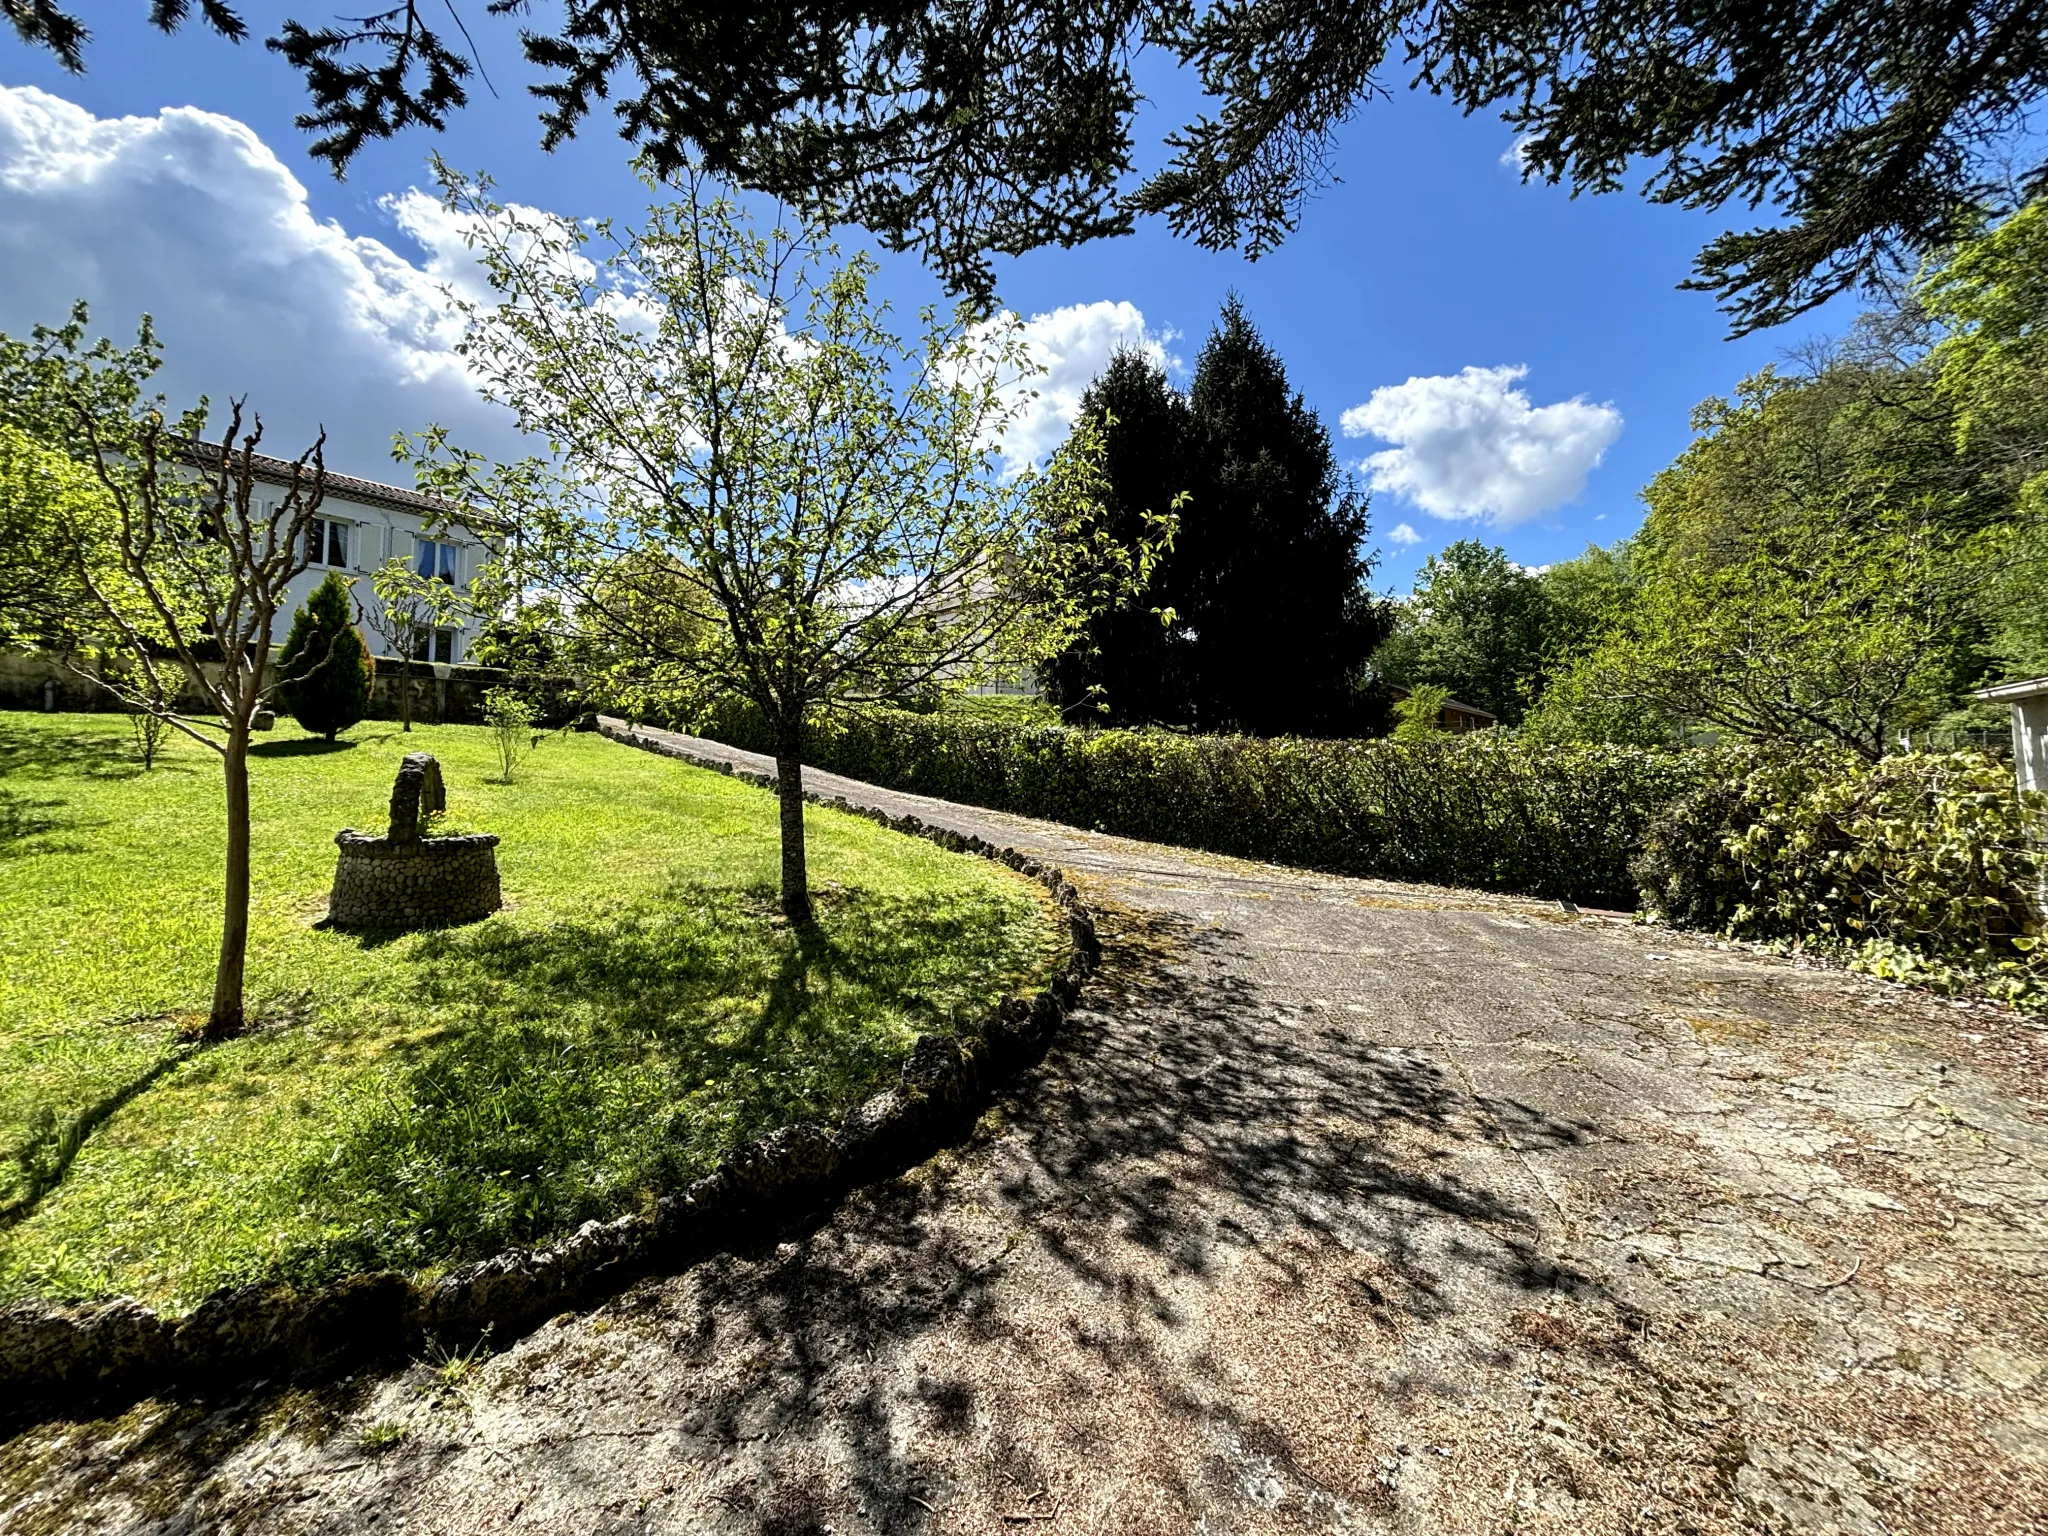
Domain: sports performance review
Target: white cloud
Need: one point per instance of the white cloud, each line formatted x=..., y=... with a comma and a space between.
x=1469, y=444
x=1404, y=535
x=189, y=216
x=1516, y=156
x=1073, y=344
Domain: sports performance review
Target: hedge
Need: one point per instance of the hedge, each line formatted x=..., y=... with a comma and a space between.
x=1483, y=810
x=1925, y=867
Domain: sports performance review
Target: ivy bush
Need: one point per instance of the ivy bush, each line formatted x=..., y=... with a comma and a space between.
x=1923, y=867
x=1483, y=810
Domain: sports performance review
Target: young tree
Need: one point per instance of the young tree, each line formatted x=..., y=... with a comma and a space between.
x=201, y=570
x=1419, y=717
x=148, y=728
x=324, y=670
x=409, y=609
x=755, y=480
x=511, y=719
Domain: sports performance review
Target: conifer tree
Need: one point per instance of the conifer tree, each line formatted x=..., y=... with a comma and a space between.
x=1270, y=566
x=1125, y=667
x=325, y=667
x=1272, y=620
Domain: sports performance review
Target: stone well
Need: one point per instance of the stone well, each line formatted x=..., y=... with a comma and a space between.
x=406, y=879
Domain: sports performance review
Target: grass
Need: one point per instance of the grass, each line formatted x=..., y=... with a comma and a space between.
x=413, y=1100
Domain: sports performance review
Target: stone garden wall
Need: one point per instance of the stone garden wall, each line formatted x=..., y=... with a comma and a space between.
x=441, y=694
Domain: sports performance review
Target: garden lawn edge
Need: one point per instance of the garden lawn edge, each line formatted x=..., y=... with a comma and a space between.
x=59, y=1360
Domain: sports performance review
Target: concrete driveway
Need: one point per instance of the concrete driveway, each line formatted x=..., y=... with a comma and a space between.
x=1342, y=1206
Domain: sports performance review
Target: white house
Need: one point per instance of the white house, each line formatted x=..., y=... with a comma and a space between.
x=361, y=524
x=2028, y=701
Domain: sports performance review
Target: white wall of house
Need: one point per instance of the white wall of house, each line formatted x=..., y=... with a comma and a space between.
x=369, y=535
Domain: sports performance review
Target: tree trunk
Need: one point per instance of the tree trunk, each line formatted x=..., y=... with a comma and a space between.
x=405, y=690
x=226, y=1018
x=789, y=779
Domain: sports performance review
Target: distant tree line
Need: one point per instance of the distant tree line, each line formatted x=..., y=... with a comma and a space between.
x=1848, y=547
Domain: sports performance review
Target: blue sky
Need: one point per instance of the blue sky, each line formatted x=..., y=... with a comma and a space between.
x=1429, y=261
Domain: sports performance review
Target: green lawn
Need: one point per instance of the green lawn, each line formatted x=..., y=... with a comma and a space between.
x=415, y=1100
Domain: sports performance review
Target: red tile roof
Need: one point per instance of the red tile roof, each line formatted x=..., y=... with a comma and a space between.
x=397, y=498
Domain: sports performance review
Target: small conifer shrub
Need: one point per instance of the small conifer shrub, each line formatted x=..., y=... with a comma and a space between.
x=325, y=666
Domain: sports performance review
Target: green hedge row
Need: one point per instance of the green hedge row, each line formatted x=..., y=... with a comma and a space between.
x=1924, y=867
x=1481, y=810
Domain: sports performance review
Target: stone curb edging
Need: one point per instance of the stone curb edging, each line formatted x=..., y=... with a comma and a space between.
x=57, y=1360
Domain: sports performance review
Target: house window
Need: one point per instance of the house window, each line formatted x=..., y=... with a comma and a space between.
x=435, y=560
x=327, y=543
x=437, y=646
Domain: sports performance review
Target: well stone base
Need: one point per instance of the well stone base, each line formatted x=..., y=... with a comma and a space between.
x=428, y=882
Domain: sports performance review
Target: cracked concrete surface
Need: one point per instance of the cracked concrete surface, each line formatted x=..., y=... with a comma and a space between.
x=1341, y=1206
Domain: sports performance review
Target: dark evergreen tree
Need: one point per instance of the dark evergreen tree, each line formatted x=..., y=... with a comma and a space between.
x=325, y=666
x=1272, y=618
x=1269, y=574
x=1125, y=669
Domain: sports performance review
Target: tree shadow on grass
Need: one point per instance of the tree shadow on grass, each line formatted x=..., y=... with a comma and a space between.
x=53, y=1142
x=74, y=754
x=1176, y=1117
x=28, y=827
x=301, y=746
x=576, y=1070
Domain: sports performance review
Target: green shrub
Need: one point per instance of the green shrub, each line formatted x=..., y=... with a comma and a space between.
x=1420, y=716
x=1920, y=867
x=1482, y=810
x=325, y=669
x=511, y=719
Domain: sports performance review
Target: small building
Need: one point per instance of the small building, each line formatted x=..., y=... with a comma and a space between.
x=361, y=524
x=1454, y=717
x=2028, y=702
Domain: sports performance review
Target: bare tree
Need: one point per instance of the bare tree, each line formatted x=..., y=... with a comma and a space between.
x=410, y=609
x=203, y=571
